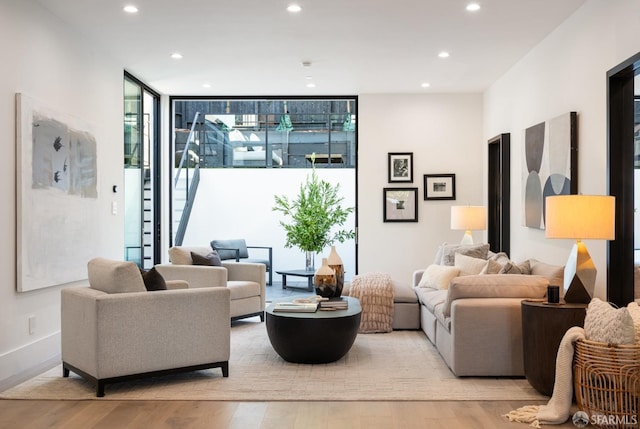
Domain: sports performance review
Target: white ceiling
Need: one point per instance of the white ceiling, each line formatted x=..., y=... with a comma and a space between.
x=256, y=47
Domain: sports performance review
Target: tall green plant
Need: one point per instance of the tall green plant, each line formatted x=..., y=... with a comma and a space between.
x=313, y=214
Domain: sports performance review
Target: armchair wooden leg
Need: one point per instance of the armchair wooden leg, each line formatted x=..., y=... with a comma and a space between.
x=225, y=369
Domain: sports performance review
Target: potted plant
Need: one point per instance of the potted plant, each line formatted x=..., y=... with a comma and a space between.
x=312, y=217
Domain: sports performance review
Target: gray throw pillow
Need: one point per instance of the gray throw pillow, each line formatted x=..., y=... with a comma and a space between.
x=212, y=259
x=474, y=250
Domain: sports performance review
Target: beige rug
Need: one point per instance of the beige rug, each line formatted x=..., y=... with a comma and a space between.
x=397, y=366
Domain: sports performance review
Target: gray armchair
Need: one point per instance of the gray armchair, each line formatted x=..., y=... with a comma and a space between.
x=238, y=251
x=115, y=330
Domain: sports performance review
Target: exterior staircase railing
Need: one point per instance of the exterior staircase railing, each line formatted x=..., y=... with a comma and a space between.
x=187, y=178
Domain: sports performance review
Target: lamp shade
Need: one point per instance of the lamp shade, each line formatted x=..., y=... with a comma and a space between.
x=580, y=217
x=468, y=218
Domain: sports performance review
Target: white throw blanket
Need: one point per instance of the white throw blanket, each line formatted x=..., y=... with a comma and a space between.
x=558, y=408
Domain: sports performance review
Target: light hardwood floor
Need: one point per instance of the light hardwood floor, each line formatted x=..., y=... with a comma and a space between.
x=106, y=414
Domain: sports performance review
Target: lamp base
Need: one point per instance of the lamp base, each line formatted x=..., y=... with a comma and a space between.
x=579, y=275
x=467, y=238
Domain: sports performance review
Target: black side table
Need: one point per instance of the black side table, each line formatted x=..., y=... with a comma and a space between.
x=543, y=326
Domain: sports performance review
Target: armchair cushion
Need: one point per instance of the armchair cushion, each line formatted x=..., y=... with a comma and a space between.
x=153, y=280
x=181, y=255
x=114, y=276
x=212, y=259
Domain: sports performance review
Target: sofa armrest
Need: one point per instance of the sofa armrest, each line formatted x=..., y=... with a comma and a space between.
x=417, y=276
x=495, y=286
x=245, y=271
x=196, y=275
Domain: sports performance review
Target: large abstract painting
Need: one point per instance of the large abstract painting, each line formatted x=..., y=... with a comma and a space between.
x=550, y=165
x=56, y=165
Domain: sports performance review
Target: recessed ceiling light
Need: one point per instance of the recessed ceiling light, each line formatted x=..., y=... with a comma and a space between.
x=444, y=54
x=294, y=8
x=425, y=85
x=206, y=85
x=130, y=8
x=176, y=56
x=473, y=7
x=308, y=77
x=311, y=85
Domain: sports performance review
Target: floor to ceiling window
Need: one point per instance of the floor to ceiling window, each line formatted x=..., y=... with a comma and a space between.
x=235, y=154
x=142, y=230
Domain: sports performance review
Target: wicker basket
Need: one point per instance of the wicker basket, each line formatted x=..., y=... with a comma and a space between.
x=607, y=383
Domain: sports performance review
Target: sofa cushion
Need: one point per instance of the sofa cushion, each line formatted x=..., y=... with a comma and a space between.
x=495, y=286
x=606, y=324
x=513, y=268
x=554, y=273
x=475, y=250
x=430, y=298
x=153, y=280
x=438, y=276
x=114, y=276
x=492, y=267
x=212, y=259
x=403, y=293
x=181, y=255
x=243, y=289
x=469, y=265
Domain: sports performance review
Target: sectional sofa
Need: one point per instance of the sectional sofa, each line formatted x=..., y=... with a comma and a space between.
x=474, y=320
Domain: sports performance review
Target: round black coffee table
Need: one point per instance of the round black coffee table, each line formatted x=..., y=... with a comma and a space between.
x=320, y=337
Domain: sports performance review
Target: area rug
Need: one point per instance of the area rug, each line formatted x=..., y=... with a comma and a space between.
x=395, y=366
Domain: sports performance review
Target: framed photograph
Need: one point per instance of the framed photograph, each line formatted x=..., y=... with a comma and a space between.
x=439, y=186
x=400, y=167
x=400, y=204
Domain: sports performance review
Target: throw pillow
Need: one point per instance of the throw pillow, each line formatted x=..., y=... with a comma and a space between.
x=634, y=311
x=475, y=251
x=438, y=276
x=606, y=324
x=469, y=266
x=512, y=268
x=554, y=273
x=153, y=280
x=492, y=267
x=212, y=259
x=438, y=258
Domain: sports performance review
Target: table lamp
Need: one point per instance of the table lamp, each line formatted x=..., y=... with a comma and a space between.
x=468, y=218
x=580, y=217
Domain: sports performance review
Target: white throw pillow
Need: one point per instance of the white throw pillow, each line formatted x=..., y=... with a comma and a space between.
x=606, y=324
x=634, y=311
x=438, y=276
x=468, y=265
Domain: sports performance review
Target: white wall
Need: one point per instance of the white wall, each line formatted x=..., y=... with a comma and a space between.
x=444, y=132
x=45, y=61
x=236, y=203
x=566, y=72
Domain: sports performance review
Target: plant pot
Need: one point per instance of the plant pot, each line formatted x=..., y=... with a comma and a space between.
x=309, y=262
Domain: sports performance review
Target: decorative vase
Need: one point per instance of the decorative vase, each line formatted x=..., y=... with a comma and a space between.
x=309, y=261
x=325, y=280
x=335, y=262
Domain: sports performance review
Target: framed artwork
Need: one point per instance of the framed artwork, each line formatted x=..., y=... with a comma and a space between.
x=439, y=186
x=400, y=204
x=58, y=211
x=400, y=167
x=549, y=165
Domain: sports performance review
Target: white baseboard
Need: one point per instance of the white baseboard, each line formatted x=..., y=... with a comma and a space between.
x=30, y=360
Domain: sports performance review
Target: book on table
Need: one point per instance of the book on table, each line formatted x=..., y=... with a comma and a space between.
x=337, y=303
x=296, y=307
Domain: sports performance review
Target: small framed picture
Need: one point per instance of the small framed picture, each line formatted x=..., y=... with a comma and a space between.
x=401, y=167
x=439, y=186
x=400, y=204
